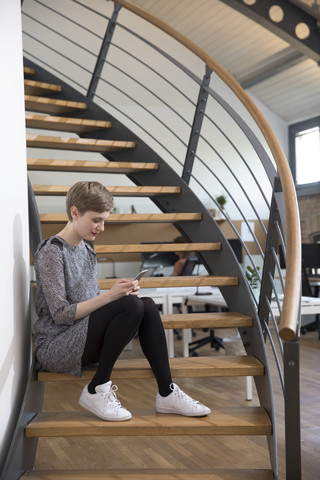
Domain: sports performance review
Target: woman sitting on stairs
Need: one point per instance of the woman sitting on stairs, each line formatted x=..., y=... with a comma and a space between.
x=77, y=325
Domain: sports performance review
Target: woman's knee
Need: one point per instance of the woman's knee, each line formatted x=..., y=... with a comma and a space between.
x=150, y=308
x=133, y=306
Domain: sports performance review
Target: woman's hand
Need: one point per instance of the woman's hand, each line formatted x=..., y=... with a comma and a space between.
x=122, y=288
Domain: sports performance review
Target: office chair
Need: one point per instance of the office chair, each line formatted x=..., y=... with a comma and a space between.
x=310, y=264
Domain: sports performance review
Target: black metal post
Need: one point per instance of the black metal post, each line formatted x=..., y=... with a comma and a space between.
x=196, y=126
x=269, y=263
x=292, y=409
x=103, y=53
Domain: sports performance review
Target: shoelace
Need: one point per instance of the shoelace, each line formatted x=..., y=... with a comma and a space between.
x=112, y=397
x=183, y=396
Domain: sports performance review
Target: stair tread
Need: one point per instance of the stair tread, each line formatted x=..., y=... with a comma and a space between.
x=89, y=166
x=67, y=124
x=158, y=247
x=181, y=367
x=129, y=217
x=183, y=281
x=136, y=474
x=221, y=421
x=32, y=87
x=79, y=144
x=51, y=105
x=29, y=71
x=206, y=320
x=129, y=191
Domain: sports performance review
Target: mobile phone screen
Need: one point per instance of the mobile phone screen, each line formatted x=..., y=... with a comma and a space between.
x=140, y=274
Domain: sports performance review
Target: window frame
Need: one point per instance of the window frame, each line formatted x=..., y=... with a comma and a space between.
x=308, y=188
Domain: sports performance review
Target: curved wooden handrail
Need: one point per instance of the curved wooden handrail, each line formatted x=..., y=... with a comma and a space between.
x=290, y=311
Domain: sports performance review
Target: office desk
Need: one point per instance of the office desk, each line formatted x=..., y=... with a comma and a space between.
x=309, y=305
x=166, y=298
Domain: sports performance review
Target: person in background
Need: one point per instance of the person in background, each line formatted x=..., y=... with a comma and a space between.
x=180, y=263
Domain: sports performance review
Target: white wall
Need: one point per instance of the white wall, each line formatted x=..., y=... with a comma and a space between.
x=14, y=244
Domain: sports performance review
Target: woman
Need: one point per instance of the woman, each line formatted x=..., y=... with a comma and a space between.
x=78, y=325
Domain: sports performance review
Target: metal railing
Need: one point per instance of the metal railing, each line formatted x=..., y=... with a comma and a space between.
x=193, y=114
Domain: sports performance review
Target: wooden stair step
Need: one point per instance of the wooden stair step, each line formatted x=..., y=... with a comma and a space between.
x=130, y=474
x=77, y=144
x=130, y=217
x=64, y=124
x=221, y=421
x=31, y=87
x=88, y=166
x=206, y=320
x=50, y=105
x=185, y=281
x=181, y=367
x=118, y=191
x=158, y=247
x=29, y=71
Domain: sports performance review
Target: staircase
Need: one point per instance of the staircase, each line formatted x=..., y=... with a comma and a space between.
x=224, y=421
x=54, y=106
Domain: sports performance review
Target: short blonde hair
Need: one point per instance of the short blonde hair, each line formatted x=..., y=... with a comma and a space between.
x=89, y=196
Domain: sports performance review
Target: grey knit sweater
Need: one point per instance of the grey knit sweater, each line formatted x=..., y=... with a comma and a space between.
x=66, y=275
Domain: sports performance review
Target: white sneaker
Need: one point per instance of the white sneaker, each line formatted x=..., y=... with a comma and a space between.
x=104, y=403
x=180, y=403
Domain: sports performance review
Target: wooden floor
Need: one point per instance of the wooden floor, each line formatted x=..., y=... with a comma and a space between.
x=181, y=452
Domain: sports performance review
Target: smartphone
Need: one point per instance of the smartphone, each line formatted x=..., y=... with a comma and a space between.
x=140, y=274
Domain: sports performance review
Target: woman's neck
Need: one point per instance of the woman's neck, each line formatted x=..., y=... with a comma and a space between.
x=70, y=235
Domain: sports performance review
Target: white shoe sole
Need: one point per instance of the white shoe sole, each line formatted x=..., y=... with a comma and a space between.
x=104, y=417
x=185, y=414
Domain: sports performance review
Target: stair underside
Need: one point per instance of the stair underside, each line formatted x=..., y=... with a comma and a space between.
x=214, y=474
x=190, y=367
x=50, y=105
x=221, y=421
x=77, y=144
x=118, y=191
x=32, y=87
x=130, y=217
x=88, y=166
x=158, y=247
x=187, y=281
x=64, y=124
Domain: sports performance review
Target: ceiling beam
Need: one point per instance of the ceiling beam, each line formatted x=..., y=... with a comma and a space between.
x=286, y=28
x=271, y=67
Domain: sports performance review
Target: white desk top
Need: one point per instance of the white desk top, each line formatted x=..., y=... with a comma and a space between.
x=309, y=305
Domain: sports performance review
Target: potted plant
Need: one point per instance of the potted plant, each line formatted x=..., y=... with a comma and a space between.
x=221, y=201
x=253, y=279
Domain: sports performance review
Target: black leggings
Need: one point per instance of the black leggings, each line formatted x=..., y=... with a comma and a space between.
x=111, y=328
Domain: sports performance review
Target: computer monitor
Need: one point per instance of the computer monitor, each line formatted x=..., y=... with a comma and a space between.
x=158, y=259
x=236, y=246
x=310, y=253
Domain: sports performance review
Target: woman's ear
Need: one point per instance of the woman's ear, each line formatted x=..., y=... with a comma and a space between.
x=74, y=213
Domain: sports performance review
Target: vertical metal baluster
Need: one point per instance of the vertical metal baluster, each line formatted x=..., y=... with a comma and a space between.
x=103, y=53
x=196, y=126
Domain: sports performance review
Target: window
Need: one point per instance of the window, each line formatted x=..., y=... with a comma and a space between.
x=304, y=156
